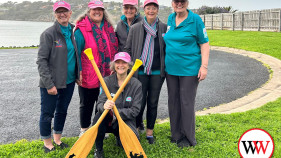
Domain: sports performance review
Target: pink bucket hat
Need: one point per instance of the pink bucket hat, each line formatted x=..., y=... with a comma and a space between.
x=122, y=56
x=95, y=4
x=150, y=1
x=61, y=4
x=131, y=2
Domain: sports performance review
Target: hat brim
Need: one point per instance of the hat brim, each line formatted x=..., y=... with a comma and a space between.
x=126, y=60
x=130, y=4
x=60, y=7
x=94, y=7
x=150, y=3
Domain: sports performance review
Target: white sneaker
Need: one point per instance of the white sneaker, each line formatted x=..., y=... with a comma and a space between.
x=82, y=132
x=106, y=135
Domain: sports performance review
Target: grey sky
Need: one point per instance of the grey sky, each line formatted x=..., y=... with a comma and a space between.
x=241, y=5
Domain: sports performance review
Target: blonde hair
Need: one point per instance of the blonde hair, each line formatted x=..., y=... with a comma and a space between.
x=87, y=13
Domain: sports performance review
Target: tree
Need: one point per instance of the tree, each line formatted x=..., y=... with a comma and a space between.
x=230, y=9
x=214, y=10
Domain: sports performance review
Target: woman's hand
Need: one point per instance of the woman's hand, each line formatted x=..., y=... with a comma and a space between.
x=108, y=105
x=202, y=73
x=79, y=82
x=53, y=91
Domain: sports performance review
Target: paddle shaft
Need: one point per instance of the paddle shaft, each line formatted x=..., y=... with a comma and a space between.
x=107, y=93
x=129, y=140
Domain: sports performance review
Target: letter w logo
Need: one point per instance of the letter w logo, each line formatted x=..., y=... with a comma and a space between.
x=255, y=147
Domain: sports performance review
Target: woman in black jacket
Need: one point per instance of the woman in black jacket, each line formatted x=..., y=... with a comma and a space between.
x=128, y=103
x=130, y=17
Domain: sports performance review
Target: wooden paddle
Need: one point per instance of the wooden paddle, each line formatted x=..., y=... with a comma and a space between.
x=128, y=138
x=84, y=144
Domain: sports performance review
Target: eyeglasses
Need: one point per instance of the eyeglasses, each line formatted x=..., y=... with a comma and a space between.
x=129, y=8
x=62, y=12
x=151, y=8
x=180, y=1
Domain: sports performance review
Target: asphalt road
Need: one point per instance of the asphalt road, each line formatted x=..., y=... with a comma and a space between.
x=230, y=77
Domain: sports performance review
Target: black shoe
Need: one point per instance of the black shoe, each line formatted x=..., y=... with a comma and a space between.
x=118, y=142
x=99, y=154
x=150, y=139
x=183, y=143
x=172, y=140
x=62, y=145
x=47, y=150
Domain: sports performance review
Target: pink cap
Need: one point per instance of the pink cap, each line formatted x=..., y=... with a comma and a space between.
x=61, y=4
x=122, y=56
x=95, y=4
x=150, y=1
x=131, y=2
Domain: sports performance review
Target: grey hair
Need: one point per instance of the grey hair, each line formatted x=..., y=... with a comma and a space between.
x=87, y=13
x=112, y=66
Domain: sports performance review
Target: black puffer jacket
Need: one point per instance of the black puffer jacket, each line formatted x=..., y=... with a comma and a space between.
x=129, y=101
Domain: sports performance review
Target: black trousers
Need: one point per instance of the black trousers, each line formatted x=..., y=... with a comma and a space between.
x=181, y=100
x=88, y=98
x=151, y=87
x=105, y=128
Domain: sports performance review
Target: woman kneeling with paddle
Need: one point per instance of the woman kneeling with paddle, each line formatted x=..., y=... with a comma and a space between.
x=128, y=103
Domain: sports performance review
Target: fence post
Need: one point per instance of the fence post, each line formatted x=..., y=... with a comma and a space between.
x=221, y=21
x=259, y=21
x=204, y=19
x=242, y=21
x=212, y=25
x=233, y=20
x=279, y=20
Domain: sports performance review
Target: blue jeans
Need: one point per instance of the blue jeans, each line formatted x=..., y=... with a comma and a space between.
x=54, y=105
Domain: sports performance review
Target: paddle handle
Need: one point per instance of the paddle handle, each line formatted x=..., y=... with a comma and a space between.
x=107, y=93
x=137, y=64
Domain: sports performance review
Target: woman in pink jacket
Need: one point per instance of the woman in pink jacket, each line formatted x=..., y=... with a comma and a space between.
x=93, y=30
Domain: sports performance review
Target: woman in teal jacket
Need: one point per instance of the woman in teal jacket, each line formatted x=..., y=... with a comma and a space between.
x=186, y=60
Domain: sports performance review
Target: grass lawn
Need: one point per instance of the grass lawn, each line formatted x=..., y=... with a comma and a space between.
x=263, y=42
x=217, y=134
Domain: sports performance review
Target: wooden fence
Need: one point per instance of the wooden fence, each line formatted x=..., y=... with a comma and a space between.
x=260, y=20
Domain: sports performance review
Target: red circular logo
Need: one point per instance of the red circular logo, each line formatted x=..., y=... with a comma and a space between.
x=256, y=143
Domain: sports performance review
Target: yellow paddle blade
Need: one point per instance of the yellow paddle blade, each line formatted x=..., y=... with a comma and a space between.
x=137, y=64
x=89, y=53
x=130, y=141
x=84, y=144
x=132, y=147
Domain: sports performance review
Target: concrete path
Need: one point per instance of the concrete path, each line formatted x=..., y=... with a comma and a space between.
x=230, y=77
x=266, y=93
